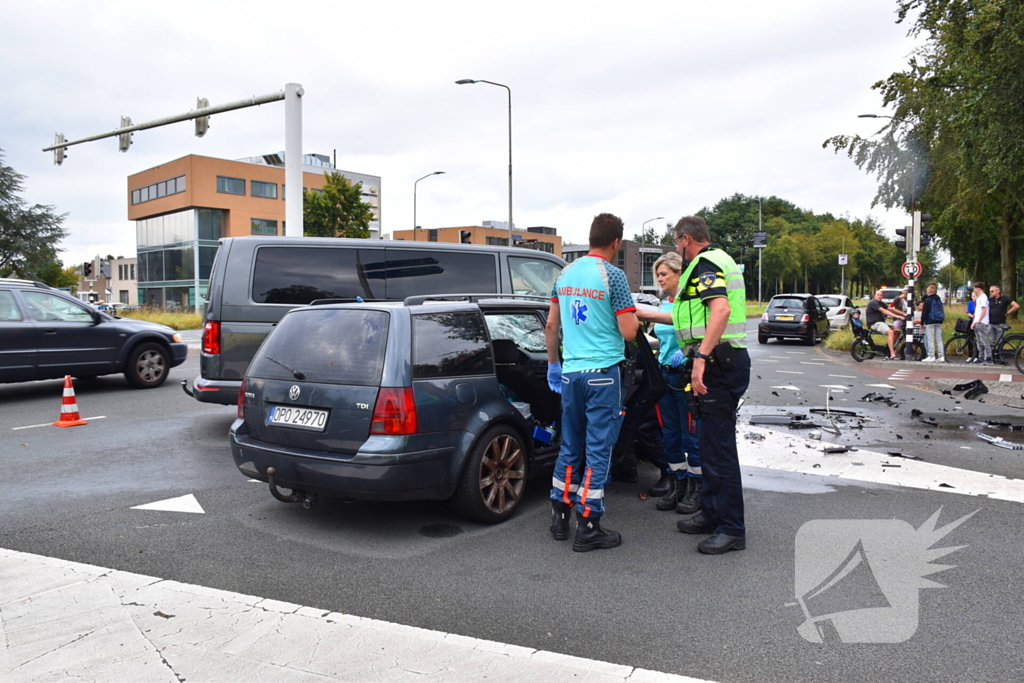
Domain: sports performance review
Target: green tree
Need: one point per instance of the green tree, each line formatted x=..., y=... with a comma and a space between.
x=955, y=144
x=29, y=235
x=338, y=211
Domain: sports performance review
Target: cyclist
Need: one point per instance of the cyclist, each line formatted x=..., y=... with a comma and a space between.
x=877, y=311
x=999, y=307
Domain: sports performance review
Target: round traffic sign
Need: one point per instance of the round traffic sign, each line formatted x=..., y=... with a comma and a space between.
x=911, y=269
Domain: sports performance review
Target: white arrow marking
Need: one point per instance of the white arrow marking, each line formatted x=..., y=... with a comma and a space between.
x=883, y=386
x=187, y=503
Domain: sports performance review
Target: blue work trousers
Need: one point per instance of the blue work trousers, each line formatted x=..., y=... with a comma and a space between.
x=591, y=417
x=722, y=489
x=682, y=448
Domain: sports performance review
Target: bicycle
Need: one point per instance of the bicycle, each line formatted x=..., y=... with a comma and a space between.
x=864, y=346
x=962, y=345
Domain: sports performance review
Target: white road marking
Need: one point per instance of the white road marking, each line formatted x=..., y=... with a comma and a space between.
x=794, y=453
x=798, y=353
x=790, y=372
x=1005, y=378
x=47, y=424
x=765, y=360
x=837, y=387
x=883, y=386
x=791, y=388
x=845, y=376
x=781, y=357
x=809, y=362
x=255, y=481
x=186, y=503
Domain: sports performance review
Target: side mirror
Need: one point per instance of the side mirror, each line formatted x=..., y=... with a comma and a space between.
x=96, y=317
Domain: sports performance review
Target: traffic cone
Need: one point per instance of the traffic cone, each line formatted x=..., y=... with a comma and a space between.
x=69, y=416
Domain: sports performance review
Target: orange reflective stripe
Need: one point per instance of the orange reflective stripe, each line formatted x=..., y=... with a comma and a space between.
x=657, y=413
x=568, y=481
x=586, y=488
x=586, y=510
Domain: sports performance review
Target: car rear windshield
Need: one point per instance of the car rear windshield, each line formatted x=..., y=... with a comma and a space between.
x=326, y=345
x=786, y=303
x=830, y=301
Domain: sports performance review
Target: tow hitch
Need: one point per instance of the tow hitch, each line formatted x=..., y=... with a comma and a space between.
x=184, y=387
x=296, y=496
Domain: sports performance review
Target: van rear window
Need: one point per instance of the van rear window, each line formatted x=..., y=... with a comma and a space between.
x=326, y=345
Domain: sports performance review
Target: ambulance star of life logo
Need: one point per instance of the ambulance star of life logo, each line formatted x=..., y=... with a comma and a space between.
x=579, y=311
x=857, y=580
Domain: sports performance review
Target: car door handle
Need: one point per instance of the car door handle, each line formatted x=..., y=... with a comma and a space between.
x=50, y=331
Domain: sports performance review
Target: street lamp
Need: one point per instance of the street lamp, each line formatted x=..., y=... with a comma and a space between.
x=414, y=201
x=467, y=81
x=643, y=228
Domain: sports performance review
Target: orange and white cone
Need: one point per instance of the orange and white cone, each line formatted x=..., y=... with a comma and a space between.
x=69, y=416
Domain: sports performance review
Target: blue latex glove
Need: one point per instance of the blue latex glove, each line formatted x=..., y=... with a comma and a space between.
x=555, y=377
x=677, y=359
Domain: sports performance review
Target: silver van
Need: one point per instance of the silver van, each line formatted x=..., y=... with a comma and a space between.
x=256, y=280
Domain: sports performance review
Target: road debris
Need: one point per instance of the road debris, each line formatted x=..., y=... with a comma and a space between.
x=754, y=436
x=1001, y=442
x=875, y=396
x=897, y=454
x=831, y=450
x=886, y=464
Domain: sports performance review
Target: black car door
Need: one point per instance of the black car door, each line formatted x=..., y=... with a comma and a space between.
x=648, y=385
x=17, y=341
x=73, y=339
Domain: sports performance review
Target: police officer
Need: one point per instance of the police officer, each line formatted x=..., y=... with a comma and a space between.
x=592, y=306
x=710, y=322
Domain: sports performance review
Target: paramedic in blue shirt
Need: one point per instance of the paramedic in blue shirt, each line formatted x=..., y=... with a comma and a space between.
x=592, y=307
x=679, y=429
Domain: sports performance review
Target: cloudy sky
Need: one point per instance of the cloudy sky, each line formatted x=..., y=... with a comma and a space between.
x=642, y=109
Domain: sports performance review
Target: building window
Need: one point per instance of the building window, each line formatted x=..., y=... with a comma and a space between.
x=620, y=259
x=120, y=271
x=122, y=296
x=431, y=235
x=131, y=271
x=647, y=260
x=263, y=226
x=164, y=188
x=497, y=241
x=227, y=185
x=261, y=189
x=210, y=223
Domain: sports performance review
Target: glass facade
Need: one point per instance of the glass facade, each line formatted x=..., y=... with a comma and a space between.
x=175, y=256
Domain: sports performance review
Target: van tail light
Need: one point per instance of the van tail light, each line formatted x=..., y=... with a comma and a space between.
x=806, y=318
x=211, y=337
x=395, y=412
x=241, y=401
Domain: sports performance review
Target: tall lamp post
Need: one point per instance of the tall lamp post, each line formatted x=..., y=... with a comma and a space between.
x=643, y=228
x=414, y=225
x=467, y=81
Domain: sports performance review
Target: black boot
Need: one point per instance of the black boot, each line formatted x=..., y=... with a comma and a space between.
x=690, y=500
x=590, y=535
x=663, y=485
x=560, y=520
x=677, y=487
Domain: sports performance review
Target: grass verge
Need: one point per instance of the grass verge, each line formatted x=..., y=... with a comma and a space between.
x=185, y=320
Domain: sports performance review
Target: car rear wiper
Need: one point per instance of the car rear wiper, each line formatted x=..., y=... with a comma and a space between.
x=295, y=373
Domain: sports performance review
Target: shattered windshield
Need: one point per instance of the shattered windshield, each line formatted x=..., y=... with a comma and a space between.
x=525, y=329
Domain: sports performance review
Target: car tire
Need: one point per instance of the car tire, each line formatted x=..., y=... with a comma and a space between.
x=762, y=339
x=811, y=338
x=147, y=366
x=494, y=477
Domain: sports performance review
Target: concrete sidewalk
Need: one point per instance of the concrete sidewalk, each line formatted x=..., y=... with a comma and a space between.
x=63, y=620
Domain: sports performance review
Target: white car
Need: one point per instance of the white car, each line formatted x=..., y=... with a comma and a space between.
x=840, y=309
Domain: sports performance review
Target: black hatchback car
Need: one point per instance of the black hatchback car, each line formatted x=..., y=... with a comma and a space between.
x=413, y=400
x=794, y=315
x=46, y=334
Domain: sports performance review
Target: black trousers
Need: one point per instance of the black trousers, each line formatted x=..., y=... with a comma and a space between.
x=722, y=490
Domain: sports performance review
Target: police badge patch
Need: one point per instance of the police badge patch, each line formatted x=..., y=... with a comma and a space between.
x=707, y=279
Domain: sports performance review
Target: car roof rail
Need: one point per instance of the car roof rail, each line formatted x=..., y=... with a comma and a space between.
x=18, y=281
x=472, y=298
x=342, y=300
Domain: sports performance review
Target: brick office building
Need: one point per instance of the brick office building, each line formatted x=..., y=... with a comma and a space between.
x=183, y=207
x=636, y=259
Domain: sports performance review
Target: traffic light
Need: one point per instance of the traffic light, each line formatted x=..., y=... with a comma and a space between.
x=923, y=231
x=902, y=232
x=87, y=269
x=203, y=122
x=58, y=154
x=464, y=236
x=124, y=140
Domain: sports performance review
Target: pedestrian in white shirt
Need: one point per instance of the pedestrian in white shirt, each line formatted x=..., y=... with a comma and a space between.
x=982, y=334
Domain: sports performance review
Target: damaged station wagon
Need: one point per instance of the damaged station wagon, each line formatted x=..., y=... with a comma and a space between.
x=440, y=397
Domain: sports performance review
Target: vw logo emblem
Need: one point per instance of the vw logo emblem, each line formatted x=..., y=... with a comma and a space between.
x=293, y=393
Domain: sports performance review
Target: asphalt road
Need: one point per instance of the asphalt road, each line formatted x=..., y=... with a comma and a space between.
x=654, y=603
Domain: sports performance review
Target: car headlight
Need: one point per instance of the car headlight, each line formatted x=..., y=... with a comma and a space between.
x=176, y=337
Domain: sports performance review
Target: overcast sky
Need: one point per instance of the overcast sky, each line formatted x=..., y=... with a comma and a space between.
x=642, y=109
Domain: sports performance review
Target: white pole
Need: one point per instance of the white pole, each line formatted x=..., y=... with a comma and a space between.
x=759, y=251
x=293, y=93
